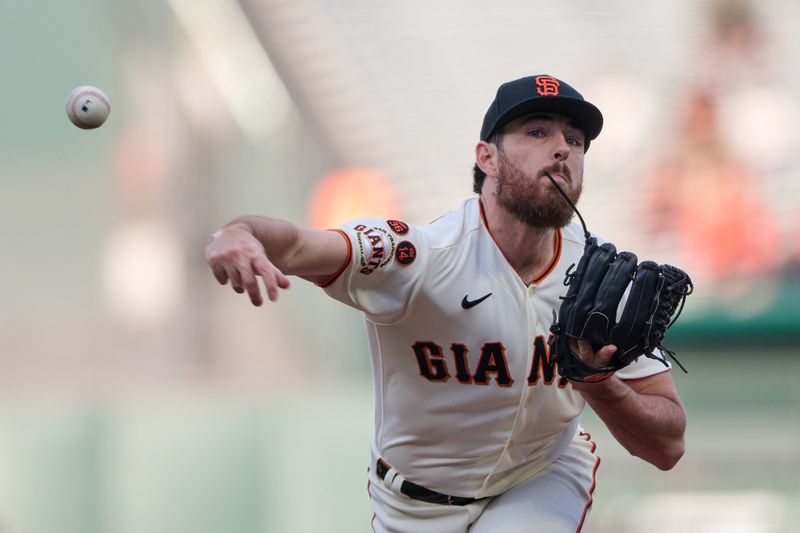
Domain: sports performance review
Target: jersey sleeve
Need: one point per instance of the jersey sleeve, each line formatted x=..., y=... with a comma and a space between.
x=642, y=368
x=384, y=269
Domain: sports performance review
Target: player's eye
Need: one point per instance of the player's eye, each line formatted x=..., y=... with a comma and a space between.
x=536, y=132
x=574, y=141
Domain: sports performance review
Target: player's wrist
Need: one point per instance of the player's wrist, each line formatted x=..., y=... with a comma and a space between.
x=236, y=226
x=611, y=389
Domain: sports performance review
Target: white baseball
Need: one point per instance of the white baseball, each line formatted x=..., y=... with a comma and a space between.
x=88, y=107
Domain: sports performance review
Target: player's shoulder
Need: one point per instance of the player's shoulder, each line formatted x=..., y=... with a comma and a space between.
x=574, y=240
x=389, y=226
x=572, y=234
x=451, y=228
x=446, y=231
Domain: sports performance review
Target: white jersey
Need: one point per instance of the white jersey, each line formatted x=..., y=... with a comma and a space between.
x=468, y=400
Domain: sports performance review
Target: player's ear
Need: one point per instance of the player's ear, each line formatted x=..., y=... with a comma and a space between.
x=486, y=158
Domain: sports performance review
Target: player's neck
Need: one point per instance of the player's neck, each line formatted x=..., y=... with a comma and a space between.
x=527, y=249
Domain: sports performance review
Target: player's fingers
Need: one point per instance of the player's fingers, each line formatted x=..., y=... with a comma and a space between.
x=236, y=279
x=273, y=278
x=603, y=356
x=250, y=283
x=584, y=348
x=220, y=274
x=283, y=280
x=262, y=265
x=585, y=351
x=607, y=351
x=579, y=346
x=271, y=282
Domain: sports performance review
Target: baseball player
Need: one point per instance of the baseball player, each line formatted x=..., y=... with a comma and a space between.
x=474, y=428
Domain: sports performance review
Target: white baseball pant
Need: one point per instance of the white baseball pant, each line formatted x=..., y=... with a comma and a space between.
x=557, y=500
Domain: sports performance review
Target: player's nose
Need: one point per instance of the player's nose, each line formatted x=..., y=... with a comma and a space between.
x=560, y=148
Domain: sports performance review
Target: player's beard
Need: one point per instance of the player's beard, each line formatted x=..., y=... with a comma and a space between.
x=536, y=202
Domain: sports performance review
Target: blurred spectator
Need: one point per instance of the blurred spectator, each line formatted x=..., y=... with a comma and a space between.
x=703, y=197
x=721, y=186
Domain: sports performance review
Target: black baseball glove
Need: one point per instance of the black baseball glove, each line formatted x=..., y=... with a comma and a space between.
x=590, y=311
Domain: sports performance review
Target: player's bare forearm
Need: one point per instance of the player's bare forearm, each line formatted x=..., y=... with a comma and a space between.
x=253, y=246
x=645, y=416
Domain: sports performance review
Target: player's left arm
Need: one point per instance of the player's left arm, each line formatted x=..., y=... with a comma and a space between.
x=645, y=415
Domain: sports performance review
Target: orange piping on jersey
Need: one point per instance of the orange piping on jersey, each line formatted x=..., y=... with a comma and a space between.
x=369, y=494
x=553, y=261
x=346, y=262
x=556, y=249
x=483, y=217
x=594, y=482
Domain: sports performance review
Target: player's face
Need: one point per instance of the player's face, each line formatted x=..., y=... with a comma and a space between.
x=532, y=146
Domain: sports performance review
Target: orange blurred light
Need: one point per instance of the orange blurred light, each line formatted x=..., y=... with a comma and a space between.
x=350, y=193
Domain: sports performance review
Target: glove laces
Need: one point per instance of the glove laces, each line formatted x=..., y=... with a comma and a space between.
x=672, y=296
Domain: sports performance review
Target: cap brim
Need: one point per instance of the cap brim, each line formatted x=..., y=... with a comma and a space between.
x=586, y=115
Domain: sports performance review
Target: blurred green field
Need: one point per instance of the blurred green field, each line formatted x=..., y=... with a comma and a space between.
x=743, y=428
x=180, y=463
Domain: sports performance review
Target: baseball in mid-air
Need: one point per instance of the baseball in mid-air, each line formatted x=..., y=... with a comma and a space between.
x=88, y=107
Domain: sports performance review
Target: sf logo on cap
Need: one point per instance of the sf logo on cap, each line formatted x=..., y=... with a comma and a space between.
x=547, y=85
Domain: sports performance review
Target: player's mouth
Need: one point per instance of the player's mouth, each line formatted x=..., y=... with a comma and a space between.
x=559, y=172
x=559, y=180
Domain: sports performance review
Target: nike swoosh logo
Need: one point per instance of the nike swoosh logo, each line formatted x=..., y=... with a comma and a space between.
x=466, y=303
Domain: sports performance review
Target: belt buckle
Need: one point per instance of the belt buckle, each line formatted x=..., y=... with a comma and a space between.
x=450, y=500
x=381, y=468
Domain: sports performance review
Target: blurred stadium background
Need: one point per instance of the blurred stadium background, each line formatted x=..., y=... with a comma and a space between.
x=136, y=396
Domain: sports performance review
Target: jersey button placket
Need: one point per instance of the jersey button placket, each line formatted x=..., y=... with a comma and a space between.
x=534, y=326
x=524, y=401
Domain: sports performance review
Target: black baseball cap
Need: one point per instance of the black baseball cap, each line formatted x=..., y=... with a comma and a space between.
x=545, y=94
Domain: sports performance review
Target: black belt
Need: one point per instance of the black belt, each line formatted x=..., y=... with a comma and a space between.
x=418, y=492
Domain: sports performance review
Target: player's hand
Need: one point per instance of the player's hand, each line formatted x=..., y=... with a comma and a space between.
x=598, y=359
x=236, y=255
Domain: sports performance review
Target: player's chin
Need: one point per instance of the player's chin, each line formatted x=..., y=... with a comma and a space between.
x=572, y=191
x=557, y=214
x=549, y=191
